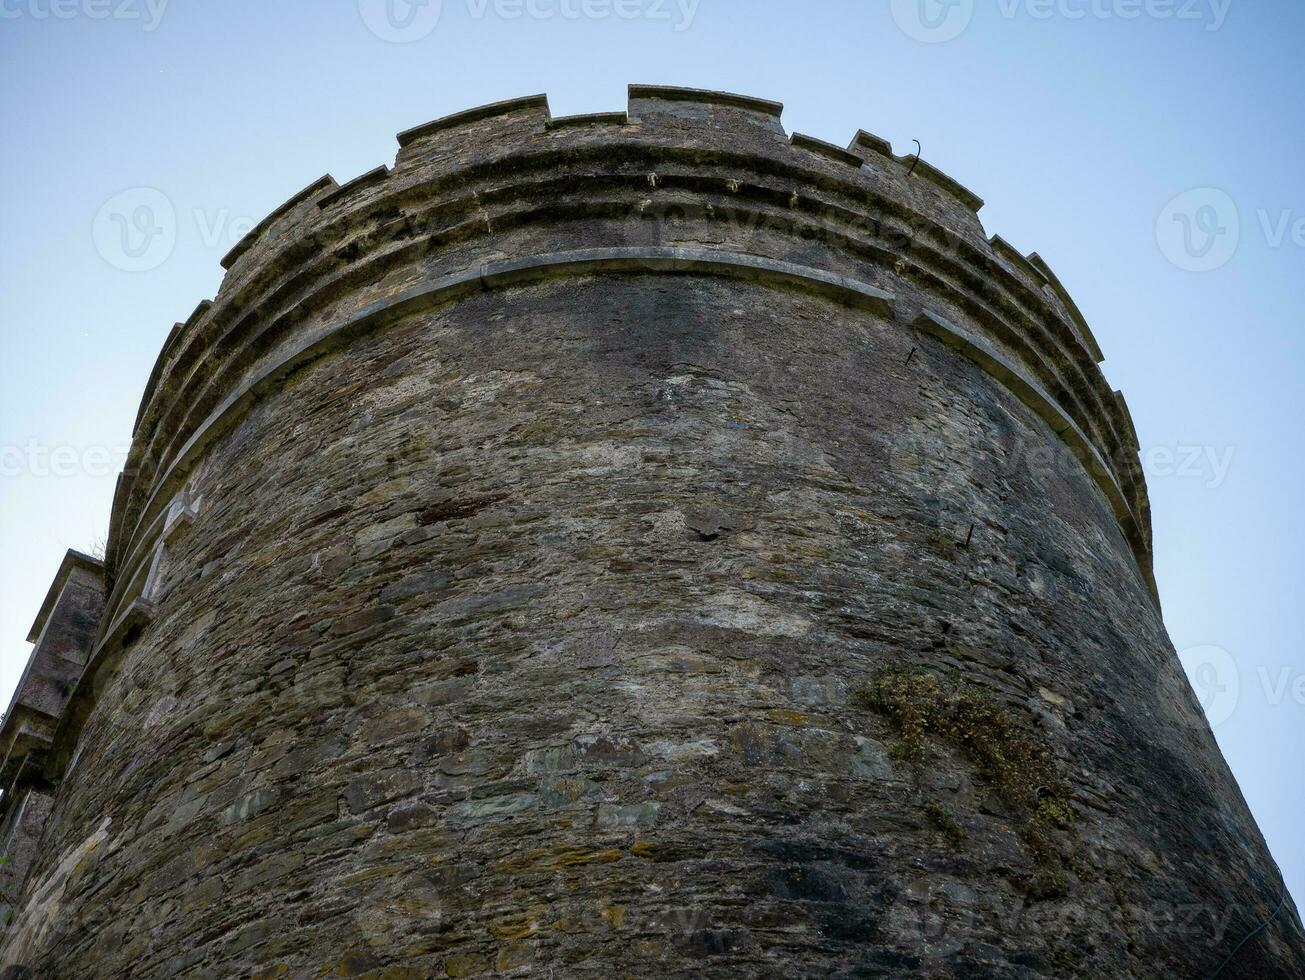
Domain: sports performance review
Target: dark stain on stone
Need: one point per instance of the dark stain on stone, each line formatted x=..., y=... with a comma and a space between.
x=455, y=509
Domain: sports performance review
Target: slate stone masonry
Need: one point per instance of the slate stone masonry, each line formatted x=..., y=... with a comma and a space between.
x=509, y=555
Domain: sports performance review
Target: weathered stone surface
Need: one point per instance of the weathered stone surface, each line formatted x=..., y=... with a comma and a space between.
x=62, y=636
x=556, y=497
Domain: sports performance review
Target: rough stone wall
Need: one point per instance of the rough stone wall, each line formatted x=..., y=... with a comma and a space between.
x=25, y=815
x=510, y=553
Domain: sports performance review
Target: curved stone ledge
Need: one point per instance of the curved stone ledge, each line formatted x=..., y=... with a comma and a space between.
x=946, y=184
x=157, y=370
x=320, y=185
x=828, y=150
x=1124, y=410
x=369, y=179
x=253, y=311
x=178, y=332
x=1016, y=258
x=244, y=304
x=1071, y=307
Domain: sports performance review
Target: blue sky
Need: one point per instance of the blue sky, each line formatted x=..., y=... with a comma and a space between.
x=1150, y=150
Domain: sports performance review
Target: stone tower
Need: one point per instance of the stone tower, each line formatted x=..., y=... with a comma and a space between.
x=639, y=544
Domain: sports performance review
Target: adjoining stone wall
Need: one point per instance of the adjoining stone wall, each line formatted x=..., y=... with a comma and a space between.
x=515, y=556
x=25, y=813
x=62, y=635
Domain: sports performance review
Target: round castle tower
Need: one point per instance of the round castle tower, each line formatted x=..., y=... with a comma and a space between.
x=634, y=544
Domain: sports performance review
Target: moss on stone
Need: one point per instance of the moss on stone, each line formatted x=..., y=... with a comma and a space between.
x=1022, y=770
x=943, y=822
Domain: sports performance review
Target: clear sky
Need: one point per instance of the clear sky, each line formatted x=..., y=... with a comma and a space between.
x=1150, y=150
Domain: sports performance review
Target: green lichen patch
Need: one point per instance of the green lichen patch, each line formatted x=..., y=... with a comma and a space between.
x=943, y=543
x=943, y=822
x=1021, y=769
